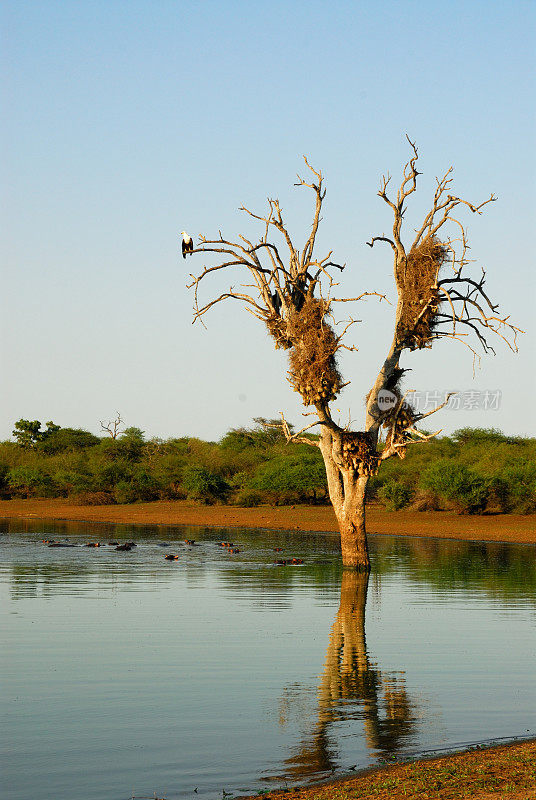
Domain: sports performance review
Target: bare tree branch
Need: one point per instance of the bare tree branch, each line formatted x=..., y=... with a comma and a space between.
x=297, y=437
x=112, y=426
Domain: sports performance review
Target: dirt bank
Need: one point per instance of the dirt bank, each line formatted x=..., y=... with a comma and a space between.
x=442, y=524
x=496, y=773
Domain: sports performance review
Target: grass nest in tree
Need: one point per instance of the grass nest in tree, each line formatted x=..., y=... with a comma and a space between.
x=277, y=328
x=416, y=280
x=313, y=369
x=359, y=453
x=397, y=428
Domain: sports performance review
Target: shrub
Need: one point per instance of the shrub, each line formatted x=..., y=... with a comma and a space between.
x=67, y=439
x=289, y=479
x=124, y=492
x=67, y=481
x=203, y=485
x=130, y=444
x=395, y=495
x=460, y=486
x=29, y=481
x=4, y=471
x=142, y=487
x=248, y=499
x=425, y=500
x=94, y=499
x=108, y=474
x=514, y=488
x=145, y=485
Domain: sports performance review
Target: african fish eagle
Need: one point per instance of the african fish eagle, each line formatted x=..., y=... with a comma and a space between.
x=187, y=243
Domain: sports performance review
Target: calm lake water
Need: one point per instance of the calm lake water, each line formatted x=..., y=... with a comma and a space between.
x=127, y=674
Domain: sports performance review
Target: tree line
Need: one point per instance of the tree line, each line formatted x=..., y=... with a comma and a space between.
x=473, y=471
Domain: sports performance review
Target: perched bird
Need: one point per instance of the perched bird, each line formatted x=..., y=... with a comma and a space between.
x=298, y=291
x=276, y=303
x=187, y=243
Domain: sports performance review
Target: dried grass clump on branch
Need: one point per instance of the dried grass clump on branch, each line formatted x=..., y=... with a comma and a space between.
x=416, y=278
x=399, y=425
x=277, y=328
x=313, y=370
x=359, y=452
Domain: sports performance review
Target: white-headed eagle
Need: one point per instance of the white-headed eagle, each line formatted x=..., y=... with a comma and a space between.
x=187, y=243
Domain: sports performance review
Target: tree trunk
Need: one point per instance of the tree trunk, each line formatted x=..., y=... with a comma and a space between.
x=351, y=519
x=347, y=495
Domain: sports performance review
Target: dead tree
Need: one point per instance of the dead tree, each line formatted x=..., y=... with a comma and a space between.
x=112, y=426
x=293, y=293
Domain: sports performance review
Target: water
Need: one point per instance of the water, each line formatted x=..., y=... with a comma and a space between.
x=127, y=674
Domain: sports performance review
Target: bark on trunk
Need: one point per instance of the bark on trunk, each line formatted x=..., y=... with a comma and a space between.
x=351, y=519
x=347, y=495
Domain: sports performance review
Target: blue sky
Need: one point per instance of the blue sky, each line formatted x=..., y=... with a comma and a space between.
x=127, y=122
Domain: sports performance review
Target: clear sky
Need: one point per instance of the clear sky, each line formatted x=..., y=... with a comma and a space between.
x=127, y=122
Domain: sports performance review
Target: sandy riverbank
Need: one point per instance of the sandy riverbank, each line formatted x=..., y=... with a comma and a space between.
x=442, y=524
x=507, y=772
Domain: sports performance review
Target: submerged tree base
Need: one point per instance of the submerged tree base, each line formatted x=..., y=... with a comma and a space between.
x=362, y=569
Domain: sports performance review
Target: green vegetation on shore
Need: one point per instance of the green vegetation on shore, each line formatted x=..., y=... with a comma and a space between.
x=473, y=471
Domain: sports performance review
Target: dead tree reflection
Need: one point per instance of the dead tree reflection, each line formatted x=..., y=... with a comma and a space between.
x=353, y=687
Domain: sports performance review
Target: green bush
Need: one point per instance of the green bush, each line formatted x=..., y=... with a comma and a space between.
x=67, y=439
x=29, y=482
x=124, y=492
x=395, y=495
x=460, y=486
x=107, y=474
x=147, y=486
x=514, y=488
x=248, y=499
x=68, y=482
x=296, y=477
x=203, y=485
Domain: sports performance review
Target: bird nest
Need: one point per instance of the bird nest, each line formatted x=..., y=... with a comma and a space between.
x=313, y=370
x=359, y=453
x=416, y=280
x=398, y=424
x=277, y=328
